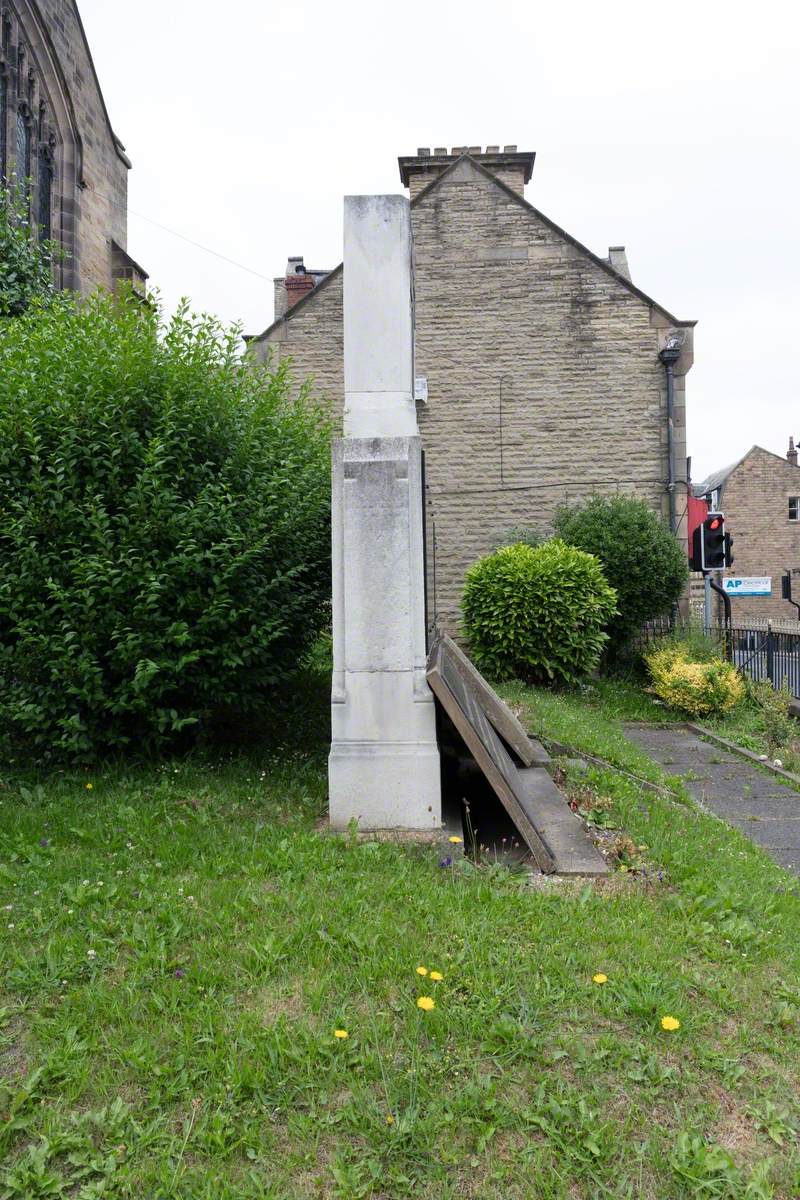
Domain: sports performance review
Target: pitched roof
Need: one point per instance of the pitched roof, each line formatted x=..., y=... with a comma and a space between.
x=603, y=263
x=718, y=479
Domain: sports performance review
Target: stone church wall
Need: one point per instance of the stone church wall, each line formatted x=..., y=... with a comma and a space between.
x=90, y=169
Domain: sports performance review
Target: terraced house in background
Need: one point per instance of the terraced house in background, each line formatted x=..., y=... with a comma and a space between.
x=55, y=133
x=544, y=373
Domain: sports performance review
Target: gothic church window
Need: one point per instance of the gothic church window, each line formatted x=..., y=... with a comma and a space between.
x=45, y=193
x=23, y=147
x=3, y=121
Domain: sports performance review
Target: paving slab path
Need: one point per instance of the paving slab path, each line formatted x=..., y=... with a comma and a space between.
x=765, y=809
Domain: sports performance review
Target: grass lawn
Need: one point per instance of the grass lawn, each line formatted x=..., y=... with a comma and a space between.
x=180, y=944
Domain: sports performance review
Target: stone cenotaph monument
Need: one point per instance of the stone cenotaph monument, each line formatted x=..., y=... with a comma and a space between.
x=384, y=760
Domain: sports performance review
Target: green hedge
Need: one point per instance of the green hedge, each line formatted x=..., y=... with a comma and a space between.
x=164, y=526
x=642, y=560
x=537, y=613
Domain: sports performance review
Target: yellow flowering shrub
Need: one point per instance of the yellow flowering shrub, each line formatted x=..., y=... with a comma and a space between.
x=696, y=688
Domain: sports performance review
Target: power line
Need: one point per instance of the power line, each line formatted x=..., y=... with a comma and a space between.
x=184, y=238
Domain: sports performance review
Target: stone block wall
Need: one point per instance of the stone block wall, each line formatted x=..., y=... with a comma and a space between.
x=755, y=500
x=544, y=383
x=90, y=168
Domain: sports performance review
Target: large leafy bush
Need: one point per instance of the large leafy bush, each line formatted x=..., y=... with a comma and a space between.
x=537, y=612
x=164, y=517
x=642, y=560
x=695, y=688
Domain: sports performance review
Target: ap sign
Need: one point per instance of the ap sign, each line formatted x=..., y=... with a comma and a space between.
x=748, y=585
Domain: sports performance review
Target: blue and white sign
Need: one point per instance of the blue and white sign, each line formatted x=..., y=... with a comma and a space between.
x=747, y=585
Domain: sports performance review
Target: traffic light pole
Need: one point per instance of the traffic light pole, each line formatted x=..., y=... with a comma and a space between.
x=707, y=602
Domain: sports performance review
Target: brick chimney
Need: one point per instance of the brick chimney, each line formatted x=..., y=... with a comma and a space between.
x=298, y=281
x=513, y=167
x=791, y=453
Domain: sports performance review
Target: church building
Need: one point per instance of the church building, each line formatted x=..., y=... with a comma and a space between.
x=55, y=134
x=544, y=374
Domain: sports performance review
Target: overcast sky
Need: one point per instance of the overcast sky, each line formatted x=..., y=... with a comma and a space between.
x=672, y=129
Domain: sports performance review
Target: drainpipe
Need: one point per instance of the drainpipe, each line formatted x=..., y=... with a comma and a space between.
x=669, y=356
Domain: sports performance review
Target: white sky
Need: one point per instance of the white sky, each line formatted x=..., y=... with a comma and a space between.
x=673, y=129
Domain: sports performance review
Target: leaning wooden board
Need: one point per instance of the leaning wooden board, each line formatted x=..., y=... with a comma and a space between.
x=530, y=752
x=551, y=830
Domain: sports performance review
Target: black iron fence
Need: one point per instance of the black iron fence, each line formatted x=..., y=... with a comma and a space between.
x=760, y=653
x=772, y=654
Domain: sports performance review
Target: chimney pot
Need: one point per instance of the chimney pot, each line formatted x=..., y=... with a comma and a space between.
x=791, y=453
x=417, y=172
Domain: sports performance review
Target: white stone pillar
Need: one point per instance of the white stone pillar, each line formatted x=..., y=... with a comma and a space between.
x=384, y=760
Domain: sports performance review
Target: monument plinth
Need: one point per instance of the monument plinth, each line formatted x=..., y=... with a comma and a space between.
x=384, y=761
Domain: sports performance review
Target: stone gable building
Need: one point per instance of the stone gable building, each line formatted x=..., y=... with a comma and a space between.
x=538, y=360
x=760, y=497
x=55, y=132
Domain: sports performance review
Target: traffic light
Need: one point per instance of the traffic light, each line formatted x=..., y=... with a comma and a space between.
x=711, y=545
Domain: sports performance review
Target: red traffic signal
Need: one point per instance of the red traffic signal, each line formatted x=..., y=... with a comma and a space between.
x=711, y=545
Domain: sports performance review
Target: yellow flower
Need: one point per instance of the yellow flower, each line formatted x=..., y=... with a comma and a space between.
x=426, y=1003
x=600, y=978
x=670, y=1023
x=437, y=976
x=89, y=787
x=341, y=1033
x=390, y=1119
x=456, y=841
x=422, y=970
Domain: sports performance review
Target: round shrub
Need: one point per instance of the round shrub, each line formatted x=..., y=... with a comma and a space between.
x=164, y=526
x=537, y=612
x=695, y=688
x=642, y=560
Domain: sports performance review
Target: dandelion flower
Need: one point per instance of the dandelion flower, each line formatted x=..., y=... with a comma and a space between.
x=422, y=970
x=90, y=787
x=599, y=978
x=437, y=976
x=341, y=1034
x=426, y=1003
x=390, y=1119
x=670, y=1023
x=455, y=841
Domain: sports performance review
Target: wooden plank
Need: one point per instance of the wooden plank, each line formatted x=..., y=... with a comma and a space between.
x=546, y=823
x=573, y=851
x=486, y=748
x=530, y=752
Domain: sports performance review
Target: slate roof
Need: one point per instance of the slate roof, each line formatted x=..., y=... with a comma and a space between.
x=718, y=479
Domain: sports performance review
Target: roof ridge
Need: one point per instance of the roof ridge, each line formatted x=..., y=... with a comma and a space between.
x=600, y=262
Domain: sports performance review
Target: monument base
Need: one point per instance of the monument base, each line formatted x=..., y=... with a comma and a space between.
x=391, y=785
